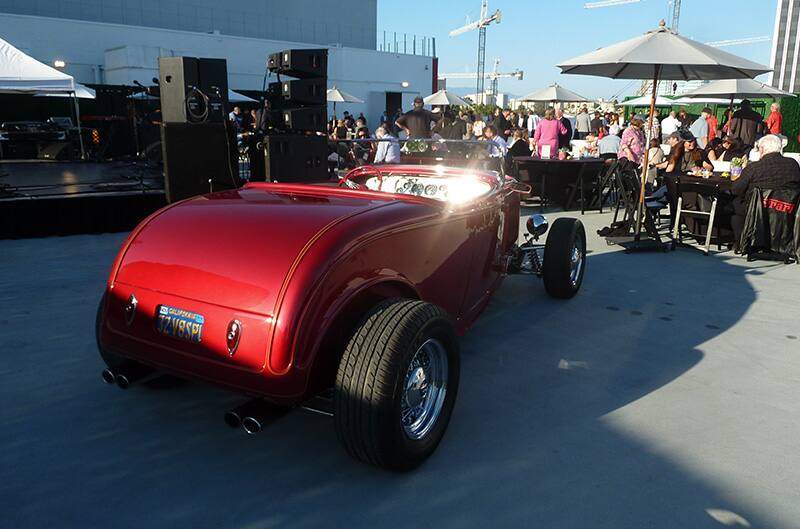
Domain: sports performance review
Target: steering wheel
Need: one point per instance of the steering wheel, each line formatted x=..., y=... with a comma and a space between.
x=346, y=180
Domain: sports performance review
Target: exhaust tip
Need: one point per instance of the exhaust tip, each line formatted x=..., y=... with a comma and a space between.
x=108, y=376
x=251, y=425
x=232, y=419
x=123, y=382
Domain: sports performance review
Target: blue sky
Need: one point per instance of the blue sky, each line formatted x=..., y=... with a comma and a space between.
x=534, y=35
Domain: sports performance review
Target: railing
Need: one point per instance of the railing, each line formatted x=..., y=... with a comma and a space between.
x=408, y=44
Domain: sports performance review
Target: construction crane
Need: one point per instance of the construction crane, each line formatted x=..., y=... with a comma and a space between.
x=492, y=76
x=608, y=3
x=676, y=15
x=480, y=24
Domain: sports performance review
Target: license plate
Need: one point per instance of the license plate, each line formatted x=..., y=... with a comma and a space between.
x=179, y=323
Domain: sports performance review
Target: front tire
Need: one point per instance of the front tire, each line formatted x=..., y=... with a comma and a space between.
x=564, y=258
x=396, y=384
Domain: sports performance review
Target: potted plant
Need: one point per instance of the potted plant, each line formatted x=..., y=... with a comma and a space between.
x=563, y=153
x=737, y=165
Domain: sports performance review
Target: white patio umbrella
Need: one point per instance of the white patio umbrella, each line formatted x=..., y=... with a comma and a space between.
x=731, y=88
x=661, y=101
x=656, y=55
x=553, y=93
x=443, y=97
x=334, y=95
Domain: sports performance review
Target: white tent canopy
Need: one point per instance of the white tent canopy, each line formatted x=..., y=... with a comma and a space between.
x=81, y=91
x=554, y=92
x=644, y=101
x=20, y=73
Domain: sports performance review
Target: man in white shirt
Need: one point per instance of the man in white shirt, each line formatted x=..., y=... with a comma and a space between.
x=387, y=151
x=533, y=122
x=669, y=125
x=608, y=145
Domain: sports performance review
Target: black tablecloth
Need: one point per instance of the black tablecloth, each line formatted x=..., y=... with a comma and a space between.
x=558, y=180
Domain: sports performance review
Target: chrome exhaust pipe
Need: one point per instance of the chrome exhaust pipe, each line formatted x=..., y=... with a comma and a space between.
x=251, y=425
x=235, y=416
x=108, y=376
x=131, y=374
x=253, y=415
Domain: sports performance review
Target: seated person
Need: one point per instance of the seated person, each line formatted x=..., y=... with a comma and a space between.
x=519, y=143
x=732, y=148
x=673, y=162
x=608, y=145
x=694, y=158
x=772, y=171
x=714, y=149
x=388, y=151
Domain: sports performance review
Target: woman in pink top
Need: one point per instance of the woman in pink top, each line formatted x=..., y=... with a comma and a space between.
x=547, y=132
x=632, y=144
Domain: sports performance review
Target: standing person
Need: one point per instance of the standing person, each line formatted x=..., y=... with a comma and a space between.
x=596, y=123
x=548, y=133
x=713, y=124
x=583, y=124
x=746, y=124
x=655, y=130
x=699, y=128
x=669, y=125
x=632, y=145
x=417, y=122
x=387, y=151
x=519, y=144
x=564, y=137
x=385, y=117
x=775, y=120
x=502, y=124
x=685, y=120
x=533, y=121
x=235, y=117
x=608, y=146
x=477, y=126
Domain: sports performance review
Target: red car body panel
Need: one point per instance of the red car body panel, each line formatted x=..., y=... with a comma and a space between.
x=288, y=261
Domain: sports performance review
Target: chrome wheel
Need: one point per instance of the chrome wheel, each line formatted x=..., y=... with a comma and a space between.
x=576, y=262
x=424, y=389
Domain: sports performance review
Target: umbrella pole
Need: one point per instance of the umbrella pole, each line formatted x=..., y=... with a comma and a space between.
x=78, y=119
x=646, y=159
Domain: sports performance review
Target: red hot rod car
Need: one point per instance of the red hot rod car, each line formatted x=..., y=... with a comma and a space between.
x=282, y=292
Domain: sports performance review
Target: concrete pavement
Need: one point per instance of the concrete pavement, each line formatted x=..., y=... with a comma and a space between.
x=665, y=395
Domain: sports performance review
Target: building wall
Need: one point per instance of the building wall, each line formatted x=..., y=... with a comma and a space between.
x=786, y=46
x=346, y=22
x=117, y=54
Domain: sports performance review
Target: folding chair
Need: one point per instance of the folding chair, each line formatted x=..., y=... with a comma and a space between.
x=707, y=190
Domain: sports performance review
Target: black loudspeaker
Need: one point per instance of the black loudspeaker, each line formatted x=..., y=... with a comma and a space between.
x=305, y=119
x=59, y=150
x=295, y=158
x=302, y=64
x=193, y=90
x=304, y=91
x=198, y=158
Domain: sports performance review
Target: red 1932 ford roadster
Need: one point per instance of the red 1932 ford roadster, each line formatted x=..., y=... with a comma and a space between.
x=282, y=292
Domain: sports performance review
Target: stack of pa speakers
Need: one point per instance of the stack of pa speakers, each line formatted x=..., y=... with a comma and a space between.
x=197, y=142
x=296, y=149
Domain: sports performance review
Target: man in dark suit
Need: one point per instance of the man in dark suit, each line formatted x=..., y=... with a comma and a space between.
x=773, y=171
x=564, y=139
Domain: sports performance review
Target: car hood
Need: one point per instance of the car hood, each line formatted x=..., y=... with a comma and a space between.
x=236, y=248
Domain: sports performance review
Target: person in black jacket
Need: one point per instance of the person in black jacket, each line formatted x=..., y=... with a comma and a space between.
x=564, y=139
x=747, y=124
x=773, y=171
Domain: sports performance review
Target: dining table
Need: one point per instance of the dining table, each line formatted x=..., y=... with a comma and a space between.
x=560, y=180
x=716, y=183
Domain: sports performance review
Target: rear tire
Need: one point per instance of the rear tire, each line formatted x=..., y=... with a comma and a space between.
x=396, y=384
x=564, y=258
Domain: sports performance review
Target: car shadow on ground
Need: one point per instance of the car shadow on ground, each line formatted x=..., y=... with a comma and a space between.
x=534, y=441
